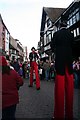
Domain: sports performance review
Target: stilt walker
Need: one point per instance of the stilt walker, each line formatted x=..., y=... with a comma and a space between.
x=62, y=46
x=34, y=66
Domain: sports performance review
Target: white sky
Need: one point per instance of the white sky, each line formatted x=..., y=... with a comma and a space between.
x=23, y=18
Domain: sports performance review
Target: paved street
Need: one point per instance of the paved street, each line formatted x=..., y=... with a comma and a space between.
x=40, y=104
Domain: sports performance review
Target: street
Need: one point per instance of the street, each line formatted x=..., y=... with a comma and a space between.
x=40, y=103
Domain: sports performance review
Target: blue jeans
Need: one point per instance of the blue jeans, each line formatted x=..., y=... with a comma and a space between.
x=47, y=74
x=8, y=113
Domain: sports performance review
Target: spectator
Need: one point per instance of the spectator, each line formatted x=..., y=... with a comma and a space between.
x=16, y=65
x=27, y=70
x=9, y=62
x=40, y=67
x=11, y=82
x=46, y=67
x=24, y=69
x=75, y=73
x=20, y=70
x=52, y=71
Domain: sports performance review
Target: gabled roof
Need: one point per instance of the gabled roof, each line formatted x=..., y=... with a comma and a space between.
x=53, y=13
x=3, y=23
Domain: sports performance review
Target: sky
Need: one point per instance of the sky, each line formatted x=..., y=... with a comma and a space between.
x=23, y=18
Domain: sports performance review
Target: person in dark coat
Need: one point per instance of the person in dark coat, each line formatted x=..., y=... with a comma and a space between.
x=24, y=69
x=11, y=82
x=34, y=67
x=62, y=46
x=16, y=65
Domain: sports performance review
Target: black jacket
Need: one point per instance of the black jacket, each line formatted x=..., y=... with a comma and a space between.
x=62, y=43
x=31, y=56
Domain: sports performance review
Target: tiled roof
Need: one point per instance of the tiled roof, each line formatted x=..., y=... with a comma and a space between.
x=53, y=13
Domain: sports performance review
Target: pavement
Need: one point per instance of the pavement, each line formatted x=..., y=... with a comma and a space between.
x=36, y=104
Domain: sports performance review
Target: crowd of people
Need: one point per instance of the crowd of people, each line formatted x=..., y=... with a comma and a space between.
x=46, y=68
x=16, y=70
x=22, y=68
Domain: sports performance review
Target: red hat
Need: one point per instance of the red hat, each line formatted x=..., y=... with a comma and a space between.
x=3, y=61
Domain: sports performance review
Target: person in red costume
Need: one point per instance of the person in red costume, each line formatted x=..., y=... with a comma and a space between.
x=34, y=66
x=62, y=43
